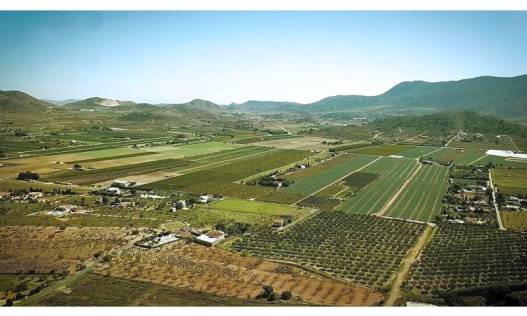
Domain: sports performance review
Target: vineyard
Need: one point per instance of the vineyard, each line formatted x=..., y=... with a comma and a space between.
x=362, y=249
x=222, y=273
x=421, y=200
x=469, y=256
x=48, y=249
x=393, y=174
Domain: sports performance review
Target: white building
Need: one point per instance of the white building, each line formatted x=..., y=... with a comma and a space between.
x=505, y=153
x=211, y=238
x=206, y=198
x=113, y=191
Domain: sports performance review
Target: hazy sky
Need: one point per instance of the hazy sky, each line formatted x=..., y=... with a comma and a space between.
x=236, y=56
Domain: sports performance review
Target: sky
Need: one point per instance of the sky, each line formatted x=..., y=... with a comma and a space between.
x=224, y=57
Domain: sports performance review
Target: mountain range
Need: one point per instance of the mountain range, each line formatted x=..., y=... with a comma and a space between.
x=501, y=96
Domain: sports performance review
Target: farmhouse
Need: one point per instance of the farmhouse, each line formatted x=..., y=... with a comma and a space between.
x=62, y=210
x=211, y=238
x=34, y=195
x=206, y=198
x=113, y=191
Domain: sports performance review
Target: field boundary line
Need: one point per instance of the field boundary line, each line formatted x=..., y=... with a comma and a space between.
x=401, y=189
x=477, y=159
x=412, y=256
x=340, y=179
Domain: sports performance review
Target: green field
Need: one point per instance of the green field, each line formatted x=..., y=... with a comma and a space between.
x=421, y=200
x=229, y=211
x=140, y=154
x=263, y=208
x=382, y=150
x=219, y=180
x=502, y=162
x=318, y=181
x=457, y=156
x=101, y=175
x=510, y=181
x=17, y=185
x=418, y=151
x=371, y=199
x=514, y=220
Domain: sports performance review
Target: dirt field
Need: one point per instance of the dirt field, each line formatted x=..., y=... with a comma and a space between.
x=223, y=273
x=47, y=249
x=301, y=143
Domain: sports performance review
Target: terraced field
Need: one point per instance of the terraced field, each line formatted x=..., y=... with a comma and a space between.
x=421, y=200
x=318, y=181
x=372, y=198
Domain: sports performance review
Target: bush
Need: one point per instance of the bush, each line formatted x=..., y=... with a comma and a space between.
x=28, y=175
x=286, y=295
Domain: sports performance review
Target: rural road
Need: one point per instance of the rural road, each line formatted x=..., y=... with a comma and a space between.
x=395, y=291
x=498, y=217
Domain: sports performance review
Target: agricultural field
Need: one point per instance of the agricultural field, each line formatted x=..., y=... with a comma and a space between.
x=503, y=143
x=468, y=256
x=418, y=151
x=515, y=221
x=65, y=249
x=393, y=173
x=421, y=199
x=18, y=185
x=458, y=156
x=220, y=180
x=323, y=203
x=322, y=179
x=100, y=290
x=84, y=177
x=510, y=181
x=502, y=162
x=382, y=150
x=372, y=252
x=349, y=185
x=222, y=273
x=229, y=212
x=300, y=143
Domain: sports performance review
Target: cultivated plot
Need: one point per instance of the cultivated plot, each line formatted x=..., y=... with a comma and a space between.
x=372, y=198
x=318, y=181
x=421, y=200
x=418, y=151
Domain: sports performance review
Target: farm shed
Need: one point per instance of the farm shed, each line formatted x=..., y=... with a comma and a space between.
x=211, y=238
